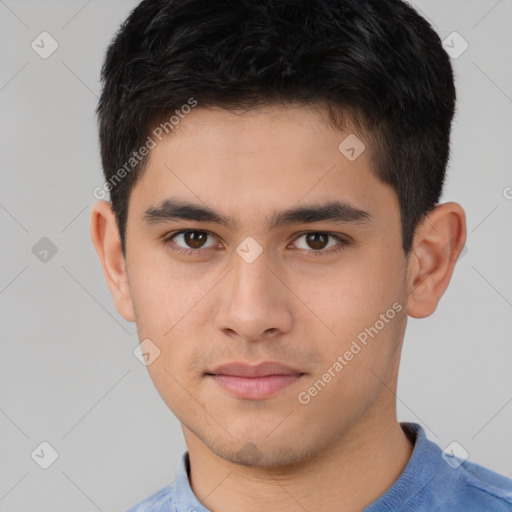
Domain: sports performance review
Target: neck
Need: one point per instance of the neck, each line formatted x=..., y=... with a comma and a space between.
x=355, y=470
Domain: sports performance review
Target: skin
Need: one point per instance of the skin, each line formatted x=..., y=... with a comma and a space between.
x=344, y=448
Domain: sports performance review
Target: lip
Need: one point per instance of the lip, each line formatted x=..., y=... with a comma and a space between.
x=254, y=382
x=264, y=369
x=254, y=388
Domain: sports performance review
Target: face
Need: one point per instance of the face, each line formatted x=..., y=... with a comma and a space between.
x=319, y=290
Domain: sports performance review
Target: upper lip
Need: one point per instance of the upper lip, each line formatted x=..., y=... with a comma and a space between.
x=241, y=369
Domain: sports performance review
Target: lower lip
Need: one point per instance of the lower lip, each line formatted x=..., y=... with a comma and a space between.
x=255, y=387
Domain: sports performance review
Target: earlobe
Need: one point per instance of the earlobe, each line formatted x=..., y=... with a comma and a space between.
x=107, y=242
x=438, y=242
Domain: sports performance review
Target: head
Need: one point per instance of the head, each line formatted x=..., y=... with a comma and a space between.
x=301, y=149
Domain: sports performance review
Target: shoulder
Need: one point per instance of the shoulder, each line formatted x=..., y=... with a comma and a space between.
x=437, y=481
x=162, y=500
x=485, y=486
x=466, y=485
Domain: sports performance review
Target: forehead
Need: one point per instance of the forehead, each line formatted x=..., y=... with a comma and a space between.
x=242, y=161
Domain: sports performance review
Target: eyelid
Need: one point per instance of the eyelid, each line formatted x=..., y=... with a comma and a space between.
x=344, y=240
x=339, y=238
x=169, y=238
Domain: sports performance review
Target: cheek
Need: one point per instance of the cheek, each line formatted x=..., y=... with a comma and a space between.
x=356, y=309
x=163, y=296
x=354, y=367
x=346, y=297
x=176, y=374
x=167, y=383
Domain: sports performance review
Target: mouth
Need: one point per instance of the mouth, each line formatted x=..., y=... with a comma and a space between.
x=254, y=382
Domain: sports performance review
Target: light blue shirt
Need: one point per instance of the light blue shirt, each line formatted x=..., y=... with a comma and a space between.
x=432, y=481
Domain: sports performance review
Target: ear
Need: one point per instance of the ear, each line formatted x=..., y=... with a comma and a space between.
x=438, y=242
x=106, y=240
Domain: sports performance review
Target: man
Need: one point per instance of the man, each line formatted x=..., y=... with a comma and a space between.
x=274, y=170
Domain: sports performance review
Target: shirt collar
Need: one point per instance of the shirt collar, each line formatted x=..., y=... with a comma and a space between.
x=185, y=499
x=423, y=466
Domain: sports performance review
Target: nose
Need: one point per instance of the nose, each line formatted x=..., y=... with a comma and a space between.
x=255, y=304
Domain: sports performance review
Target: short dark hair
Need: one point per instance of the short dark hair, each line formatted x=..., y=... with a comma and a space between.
x=375, y=63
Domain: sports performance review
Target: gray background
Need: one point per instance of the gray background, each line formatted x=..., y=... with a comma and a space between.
x=67, y=370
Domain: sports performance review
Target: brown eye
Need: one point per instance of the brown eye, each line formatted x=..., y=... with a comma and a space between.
x=317, y=241
x=190, y=241
x=195, y=239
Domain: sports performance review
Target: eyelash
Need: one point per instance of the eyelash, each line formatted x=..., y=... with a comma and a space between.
x=344, y=243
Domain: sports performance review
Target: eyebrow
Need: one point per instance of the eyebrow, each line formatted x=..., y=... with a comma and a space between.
x=333, y=211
